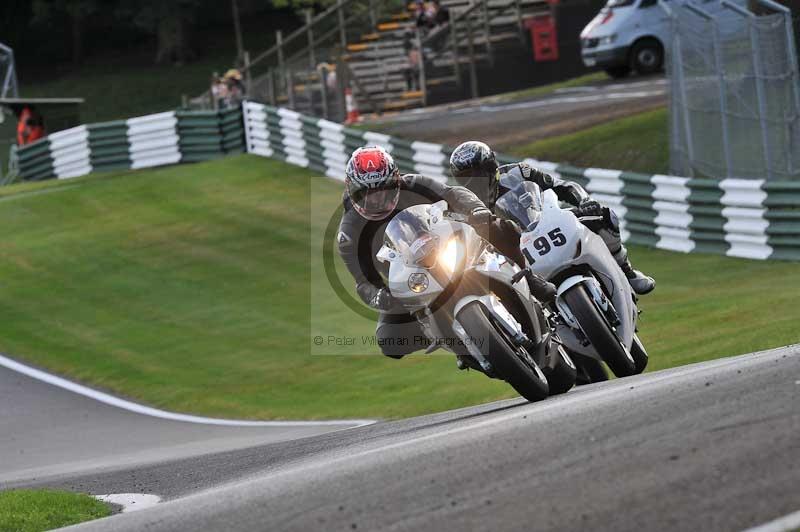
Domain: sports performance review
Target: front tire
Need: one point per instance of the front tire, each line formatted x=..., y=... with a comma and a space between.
x=599, y=332
x=510, y=363
x=647, y=56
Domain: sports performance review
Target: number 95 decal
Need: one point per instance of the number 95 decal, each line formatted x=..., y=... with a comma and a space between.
x=544, y=246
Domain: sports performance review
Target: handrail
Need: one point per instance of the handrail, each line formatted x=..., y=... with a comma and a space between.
x=302, y=30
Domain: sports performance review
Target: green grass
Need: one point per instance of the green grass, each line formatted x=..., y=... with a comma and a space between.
x=38, y=510
x=190, y=288
x=638, y=143
x=544, y=90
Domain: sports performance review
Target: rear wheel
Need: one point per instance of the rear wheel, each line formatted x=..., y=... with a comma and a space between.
x=599, y=332
x=510, y=362
x=618, y=72
x=562, y=377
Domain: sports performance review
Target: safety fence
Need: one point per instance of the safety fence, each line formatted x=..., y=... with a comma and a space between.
x=749, y=218
x=141, y=142
x=734, y=90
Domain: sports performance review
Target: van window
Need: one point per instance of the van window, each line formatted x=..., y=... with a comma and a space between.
x=620, y=3
x=647, y=3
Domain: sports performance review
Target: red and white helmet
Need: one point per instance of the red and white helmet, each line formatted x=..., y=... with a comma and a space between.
x=373, y=182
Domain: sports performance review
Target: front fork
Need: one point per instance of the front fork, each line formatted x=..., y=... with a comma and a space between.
x=544, y=353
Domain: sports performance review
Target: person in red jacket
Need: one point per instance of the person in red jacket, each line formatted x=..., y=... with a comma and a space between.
x=30, y=127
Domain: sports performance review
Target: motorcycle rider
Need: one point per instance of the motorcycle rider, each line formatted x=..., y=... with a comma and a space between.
x=374, y=192
x=474, y=165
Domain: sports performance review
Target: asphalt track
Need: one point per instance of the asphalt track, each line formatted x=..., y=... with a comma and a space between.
x=47, y=432
x=506, y=125
x=711, y=446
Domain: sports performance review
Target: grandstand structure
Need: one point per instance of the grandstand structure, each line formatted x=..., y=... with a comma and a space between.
x=363, y=46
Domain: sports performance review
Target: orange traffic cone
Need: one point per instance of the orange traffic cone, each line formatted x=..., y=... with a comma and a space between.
x=353, y=115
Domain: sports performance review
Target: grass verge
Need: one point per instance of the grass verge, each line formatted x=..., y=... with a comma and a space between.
x=544, y=90
x=38, y=510
x=638, y=143
x=190, y=288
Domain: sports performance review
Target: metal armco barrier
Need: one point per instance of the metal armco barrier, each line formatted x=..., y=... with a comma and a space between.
x=142, y=142
x=746, y=218
x=749, y=218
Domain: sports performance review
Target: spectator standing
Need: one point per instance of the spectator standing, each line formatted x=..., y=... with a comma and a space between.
x=413, y=56
x=442, y=13
x=235, y=90
x=30, y=126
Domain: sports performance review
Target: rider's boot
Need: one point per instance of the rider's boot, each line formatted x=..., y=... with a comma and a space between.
x=541, y=288
x=640, y=283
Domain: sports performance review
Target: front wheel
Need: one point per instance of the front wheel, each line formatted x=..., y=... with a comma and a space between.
x=511, y=363
x=599, y=332
x=647, y=56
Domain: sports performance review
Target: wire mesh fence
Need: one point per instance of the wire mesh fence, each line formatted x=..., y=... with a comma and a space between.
x=735, y=92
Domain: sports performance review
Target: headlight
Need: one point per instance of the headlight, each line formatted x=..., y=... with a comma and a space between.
x=605, y=41
x=448, y=257
x=418, y=282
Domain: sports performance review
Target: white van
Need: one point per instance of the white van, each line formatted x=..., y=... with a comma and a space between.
x=626, y=35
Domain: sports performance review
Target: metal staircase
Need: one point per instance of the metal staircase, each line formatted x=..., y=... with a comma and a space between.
x=362, y=46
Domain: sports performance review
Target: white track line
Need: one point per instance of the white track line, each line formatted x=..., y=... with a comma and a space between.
x=782, y=524
x=162, y=414
x=130, y=502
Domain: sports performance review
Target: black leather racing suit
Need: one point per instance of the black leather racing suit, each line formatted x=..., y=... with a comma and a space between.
x=359, y=240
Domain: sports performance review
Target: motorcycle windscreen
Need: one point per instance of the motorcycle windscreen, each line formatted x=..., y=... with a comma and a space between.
x=409, y=233
x=522, y=204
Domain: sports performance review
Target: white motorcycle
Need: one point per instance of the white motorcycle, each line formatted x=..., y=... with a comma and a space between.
x=459, y=289
x=596, y=306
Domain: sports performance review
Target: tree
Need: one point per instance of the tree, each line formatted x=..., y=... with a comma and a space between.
x=170, y=21
x=77, y=11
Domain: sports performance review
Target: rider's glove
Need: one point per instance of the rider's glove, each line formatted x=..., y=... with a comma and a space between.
x=481, y=216
x=382, y=300
x=590, y=207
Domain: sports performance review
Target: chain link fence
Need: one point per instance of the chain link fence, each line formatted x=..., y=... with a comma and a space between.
x=735, y=91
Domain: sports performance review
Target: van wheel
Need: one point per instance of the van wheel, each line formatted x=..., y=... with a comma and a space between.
x=647, y=56
x=618, y=72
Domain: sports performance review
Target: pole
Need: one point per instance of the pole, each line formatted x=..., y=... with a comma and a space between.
x=518, y=12
x=342, y=29
x=312, y=59
x=423, y=84
x=323, y=78
x=273, y=98
x=454, y=46
x=248, y=79
x=723, y=97
x=762, y=103
x=487, y=31
x=237, y=29
x=373, y=19
x=687, y=124
x=290, y=87
x=473, y=75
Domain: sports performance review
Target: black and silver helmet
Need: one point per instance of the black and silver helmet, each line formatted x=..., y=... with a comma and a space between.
x=473, y=165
